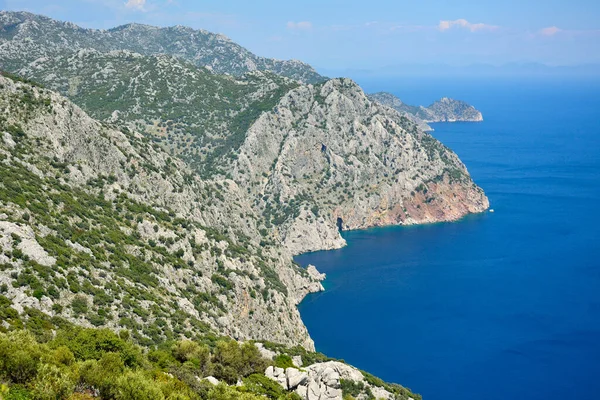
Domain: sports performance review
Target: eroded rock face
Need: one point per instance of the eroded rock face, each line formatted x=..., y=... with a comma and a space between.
x=328, y=158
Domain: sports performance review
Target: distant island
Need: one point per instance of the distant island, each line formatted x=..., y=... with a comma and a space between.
x=443, y=110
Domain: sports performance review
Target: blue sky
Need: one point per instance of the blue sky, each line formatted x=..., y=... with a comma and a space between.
x=371, y=34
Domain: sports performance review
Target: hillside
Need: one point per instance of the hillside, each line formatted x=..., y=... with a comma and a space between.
x=194, y=113
x=26, y=37
x=250, y=129
x=114, y=232
x=100, y=227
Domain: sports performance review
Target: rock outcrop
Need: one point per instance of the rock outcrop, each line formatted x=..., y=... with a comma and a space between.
x=324, y=381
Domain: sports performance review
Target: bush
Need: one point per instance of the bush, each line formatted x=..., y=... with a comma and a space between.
x=232, y=360
x=19, y=356
x=137, y=386
x=261, y=385
x=54, y=382
x=17, y=392
x=92, y=344
x=102, y=374
x=283, y=361
x=79, y=305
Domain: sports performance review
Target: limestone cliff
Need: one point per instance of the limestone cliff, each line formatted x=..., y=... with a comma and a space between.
x=328, y=158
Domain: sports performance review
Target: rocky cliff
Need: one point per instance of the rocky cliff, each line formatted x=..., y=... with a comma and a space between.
x=327, y=158
x=443, y=110
x=104, y=228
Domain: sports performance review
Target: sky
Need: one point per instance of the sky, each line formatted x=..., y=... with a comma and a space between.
x=367, y=35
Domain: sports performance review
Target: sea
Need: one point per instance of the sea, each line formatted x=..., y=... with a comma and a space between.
x=499, y=305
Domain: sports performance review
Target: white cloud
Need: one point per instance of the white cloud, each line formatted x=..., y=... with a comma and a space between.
x=550, y=31
x=136, y=4
x=464, y=24
x=300, y=26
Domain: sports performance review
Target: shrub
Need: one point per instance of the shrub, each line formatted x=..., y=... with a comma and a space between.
x=79, y=305
x=54, y=382
x=137, y=386
x=102, y=374
x=92, y=344
x=283, y=361
x=19, y=356
x=261, y=385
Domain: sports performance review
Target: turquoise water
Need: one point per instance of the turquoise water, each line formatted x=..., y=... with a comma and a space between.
x=498, y=305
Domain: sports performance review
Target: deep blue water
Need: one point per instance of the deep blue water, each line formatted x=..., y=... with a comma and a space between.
x=498, y=305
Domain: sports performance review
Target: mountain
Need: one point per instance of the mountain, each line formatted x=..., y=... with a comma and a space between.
x=160, y=197
x=102, y=228
x=26, y=37
x=107, y=218
x=443, y=110
x=195, y=113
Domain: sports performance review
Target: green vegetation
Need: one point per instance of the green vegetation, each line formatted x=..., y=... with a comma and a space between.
x=18, y=78
x=78, y=362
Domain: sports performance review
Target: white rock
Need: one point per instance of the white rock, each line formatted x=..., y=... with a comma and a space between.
x=302, y=391
x=313, y=272
x=212, y=380
x=278, y=375
x=295, y=377
x=269, y=372
x=29, y=245
x=313, y=391
x=297, y=361
x=330, y=377
x=266, y=353
x=381, y=393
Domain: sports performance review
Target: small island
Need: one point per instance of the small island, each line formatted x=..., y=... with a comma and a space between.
x=443, y=110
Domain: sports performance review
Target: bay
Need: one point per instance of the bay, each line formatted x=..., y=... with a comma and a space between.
x=497, y=305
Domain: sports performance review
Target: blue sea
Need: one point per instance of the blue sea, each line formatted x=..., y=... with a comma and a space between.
x=502, y=305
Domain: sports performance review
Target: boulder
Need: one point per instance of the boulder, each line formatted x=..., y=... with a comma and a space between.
x=331, y=393
x=295, y=377
x=302, y=391
x=313, y=390
x=212, y=380
x=269, y=372
x=266, y=353
x=330, y=377
x=278, y=375
x=297, y=361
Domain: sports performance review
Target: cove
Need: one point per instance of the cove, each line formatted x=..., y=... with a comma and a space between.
x=497, y=305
